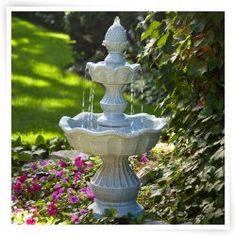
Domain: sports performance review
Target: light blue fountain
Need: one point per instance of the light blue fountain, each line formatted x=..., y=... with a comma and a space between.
x=113, y=135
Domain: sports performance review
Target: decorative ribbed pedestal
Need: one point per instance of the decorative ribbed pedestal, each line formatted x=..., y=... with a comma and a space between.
x=115, y=185
x=114, y=135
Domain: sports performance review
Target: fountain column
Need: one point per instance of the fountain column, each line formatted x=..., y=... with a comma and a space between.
x=115, y=185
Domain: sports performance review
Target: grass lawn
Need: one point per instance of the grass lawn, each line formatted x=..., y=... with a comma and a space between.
x=42, y=90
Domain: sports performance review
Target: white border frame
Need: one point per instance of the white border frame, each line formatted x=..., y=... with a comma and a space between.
x=6, y=101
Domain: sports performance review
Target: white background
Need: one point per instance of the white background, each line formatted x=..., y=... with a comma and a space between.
x=114, y=5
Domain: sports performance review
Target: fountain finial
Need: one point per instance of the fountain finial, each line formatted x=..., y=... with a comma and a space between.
x=117, y=20
x=116, y=42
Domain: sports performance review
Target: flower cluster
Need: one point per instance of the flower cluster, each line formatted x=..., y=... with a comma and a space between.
x=52, y=191
x=56, y=191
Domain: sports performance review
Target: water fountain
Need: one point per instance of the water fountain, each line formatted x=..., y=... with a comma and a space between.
x=113, y=135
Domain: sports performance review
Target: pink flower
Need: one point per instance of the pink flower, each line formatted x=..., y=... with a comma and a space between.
x=65, y=179
x=35, y=187
x=44, y=163
x=17, y=187
x=59, y=173
x=13, y=198
x=61, y=190
x=35, y=178
x=144, y=158
x=79, y=161
x=56, y=186
x=75, y=218
x=89, y=192
x=52, y=209
x=17, y=210
x=22, y=178
x=73, y=199
x=83, y=211
x=30, y=221
x=62, y=164
x=33, y=209
x=56, y=195
x=34, y=166
x=44, y=178
x=71, y=190
x=77, y=176
x=89, y=164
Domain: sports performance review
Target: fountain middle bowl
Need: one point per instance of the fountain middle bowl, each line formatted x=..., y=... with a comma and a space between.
x=84, y=134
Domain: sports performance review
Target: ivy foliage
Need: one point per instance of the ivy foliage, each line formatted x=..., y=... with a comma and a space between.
x=183, y=60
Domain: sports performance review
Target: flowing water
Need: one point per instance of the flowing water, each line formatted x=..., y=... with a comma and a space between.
x=142, y=95
x=90, y=103
x=90, y=107
x=91, y=110
x=83, y=107
x=132, y=94
x=86, y=76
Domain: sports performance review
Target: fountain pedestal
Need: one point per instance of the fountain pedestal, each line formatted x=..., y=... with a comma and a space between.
x=115, y=185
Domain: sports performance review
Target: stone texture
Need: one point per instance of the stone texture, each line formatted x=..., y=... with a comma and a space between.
x=71, y=154
x=84, y=134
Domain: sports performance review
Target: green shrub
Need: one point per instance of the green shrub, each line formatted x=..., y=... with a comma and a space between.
x=184, y=56
x=50, y=20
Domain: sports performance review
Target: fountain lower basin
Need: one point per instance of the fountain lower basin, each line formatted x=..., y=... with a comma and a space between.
x=84, y=134
x=114, y=185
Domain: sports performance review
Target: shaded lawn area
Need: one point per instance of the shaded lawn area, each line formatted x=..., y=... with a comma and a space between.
x=42, y=90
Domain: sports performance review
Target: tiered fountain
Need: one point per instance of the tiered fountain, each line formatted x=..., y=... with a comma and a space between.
x=113, y=135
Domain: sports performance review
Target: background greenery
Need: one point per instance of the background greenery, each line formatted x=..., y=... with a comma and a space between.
x=182, y=56
x=43, y=88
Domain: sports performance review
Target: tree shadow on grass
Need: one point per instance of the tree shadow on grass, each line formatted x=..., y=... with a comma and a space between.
x=42, y=91
x=32, y=44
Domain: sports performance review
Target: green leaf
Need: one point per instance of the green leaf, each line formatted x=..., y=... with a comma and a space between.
x=39, y=140
x=162, y=40
x=219, y=173
x=219, y=154
x=196, y=67
x=155, y=193
x=25, y=156
x=151, y=31
x=218, y=187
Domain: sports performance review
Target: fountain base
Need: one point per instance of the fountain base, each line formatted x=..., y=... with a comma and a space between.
x=115, y=185
x=122, y=209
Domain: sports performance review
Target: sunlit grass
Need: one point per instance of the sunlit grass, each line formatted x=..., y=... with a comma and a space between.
x=42, y=90
x=28, y=81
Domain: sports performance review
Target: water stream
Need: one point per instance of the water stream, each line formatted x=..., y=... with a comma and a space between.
x=83, y=96
x=142, y=96
x=83, y=107
x=132, y=94
x=90, y=107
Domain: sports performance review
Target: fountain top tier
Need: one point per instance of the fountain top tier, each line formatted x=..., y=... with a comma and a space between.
x=113, y=73
x=113, y=133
